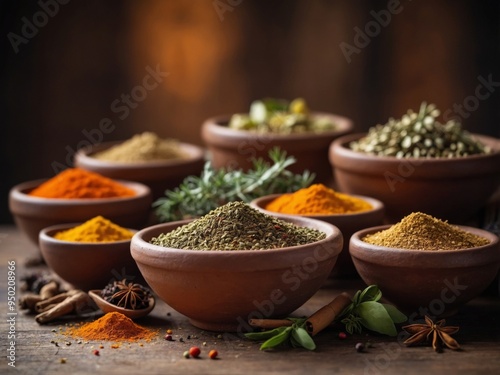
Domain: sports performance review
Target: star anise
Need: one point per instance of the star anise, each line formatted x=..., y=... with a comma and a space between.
x=128, y=295
x=439, y=332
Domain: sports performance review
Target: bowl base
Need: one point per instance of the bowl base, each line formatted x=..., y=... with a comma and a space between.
x=214, y=326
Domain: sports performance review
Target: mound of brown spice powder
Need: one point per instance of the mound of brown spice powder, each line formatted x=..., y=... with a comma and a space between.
x=419, y=231
x=113, y=326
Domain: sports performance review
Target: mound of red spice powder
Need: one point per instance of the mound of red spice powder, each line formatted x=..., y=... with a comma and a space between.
x=113, y=326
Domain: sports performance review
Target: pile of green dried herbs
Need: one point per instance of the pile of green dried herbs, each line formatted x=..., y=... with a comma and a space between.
x=198, y=195
x=237, y=226
x=419, y=135
x=279, y=116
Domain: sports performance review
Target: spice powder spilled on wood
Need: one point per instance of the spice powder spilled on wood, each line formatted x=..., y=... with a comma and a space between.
x=113, y=326
x=419, y=231
x=237, y=226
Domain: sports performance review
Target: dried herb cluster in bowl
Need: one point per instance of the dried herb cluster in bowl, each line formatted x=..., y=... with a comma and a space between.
x=419, y=135
x=237, y=226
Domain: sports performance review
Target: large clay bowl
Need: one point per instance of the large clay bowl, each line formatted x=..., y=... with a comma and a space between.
x=232, y=148
x=422, y=282
x=158, y=175
x=32, y=214
x=87, y=265
x=221, y=290
x=347, y=223
x=452, y=189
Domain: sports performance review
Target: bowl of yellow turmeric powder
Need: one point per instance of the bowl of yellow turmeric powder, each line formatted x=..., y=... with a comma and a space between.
x=76, y=195
x=88, y=255
x=349, y=213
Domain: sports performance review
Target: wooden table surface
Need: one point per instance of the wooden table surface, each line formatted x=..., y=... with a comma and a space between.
x=479, y=336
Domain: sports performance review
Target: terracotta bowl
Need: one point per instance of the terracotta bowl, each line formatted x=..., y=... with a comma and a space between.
x=157, y=175
x=452, y=189
x=423, y=282
x=86, y=265
x=32, y=214
x=347, y=223
x=232, y=148
x=221, y=290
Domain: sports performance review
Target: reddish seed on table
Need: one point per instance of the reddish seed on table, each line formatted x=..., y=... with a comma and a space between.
x=168, y=337
x=96, y=352
x=213, y=354
x=342, y=335
x=194, y=352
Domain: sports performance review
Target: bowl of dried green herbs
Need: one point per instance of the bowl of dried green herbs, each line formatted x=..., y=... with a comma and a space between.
x=233, y=141
x=236, y=263
x=417, y=163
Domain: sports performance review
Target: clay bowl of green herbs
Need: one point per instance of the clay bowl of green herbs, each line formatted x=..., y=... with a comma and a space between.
x=418, y=164
x=235, y=140
x=220, y=290
x=427, y=282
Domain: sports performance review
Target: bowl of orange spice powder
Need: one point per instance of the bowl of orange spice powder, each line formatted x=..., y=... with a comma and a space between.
x=349, y=213
x=76, y=195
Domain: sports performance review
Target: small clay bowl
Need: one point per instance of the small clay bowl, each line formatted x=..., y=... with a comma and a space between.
x=32, y=214
x=231, y=148
x=419, y=282
x=107, y=307
x=86, y=265
x=453, y=189
x=347, y=223
x=158, y=175
x=220, y=290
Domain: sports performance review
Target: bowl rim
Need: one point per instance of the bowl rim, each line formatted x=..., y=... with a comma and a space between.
x=339, y=148
x=218, y=125
x=47, y=235
x=377, y=205
x=238, y=258
x=83, y=156
x=20, y=191
x=387, y=256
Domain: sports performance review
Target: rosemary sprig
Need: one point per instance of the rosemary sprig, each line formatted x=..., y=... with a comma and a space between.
x=198, y=195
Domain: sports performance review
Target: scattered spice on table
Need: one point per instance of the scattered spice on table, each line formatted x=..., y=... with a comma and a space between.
x=280, y=116
x=420, y=135
x=143, y=147
x=112, y=326
x=237, y=226
x=75, y=183
x=317, y=199
x=127, y=294
x=97, y=229
x=419, y=231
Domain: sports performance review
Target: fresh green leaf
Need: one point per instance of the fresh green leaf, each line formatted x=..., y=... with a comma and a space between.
x=396, y=315
x=376, y=318
x=278, y=339
x=264, y=335
x=371, y=293
x=303, y=338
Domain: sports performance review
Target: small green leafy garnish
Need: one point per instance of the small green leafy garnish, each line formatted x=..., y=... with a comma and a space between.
x=295, y=335
x=366, y=311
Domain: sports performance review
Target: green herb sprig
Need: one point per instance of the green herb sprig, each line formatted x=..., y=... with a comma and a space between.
x=198, y=195
x=366, y=311
x=295, y=335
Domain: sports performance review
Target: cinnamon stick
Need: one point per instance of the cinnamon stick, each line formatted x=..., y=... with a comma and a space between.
x=45, y=303
x=270, y=323
x=327, y=314
x=49, y=290
x=68, y=305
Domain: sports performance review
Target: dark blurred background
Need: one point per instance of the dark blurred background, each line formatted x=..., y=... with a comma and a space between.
x=67, y=66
